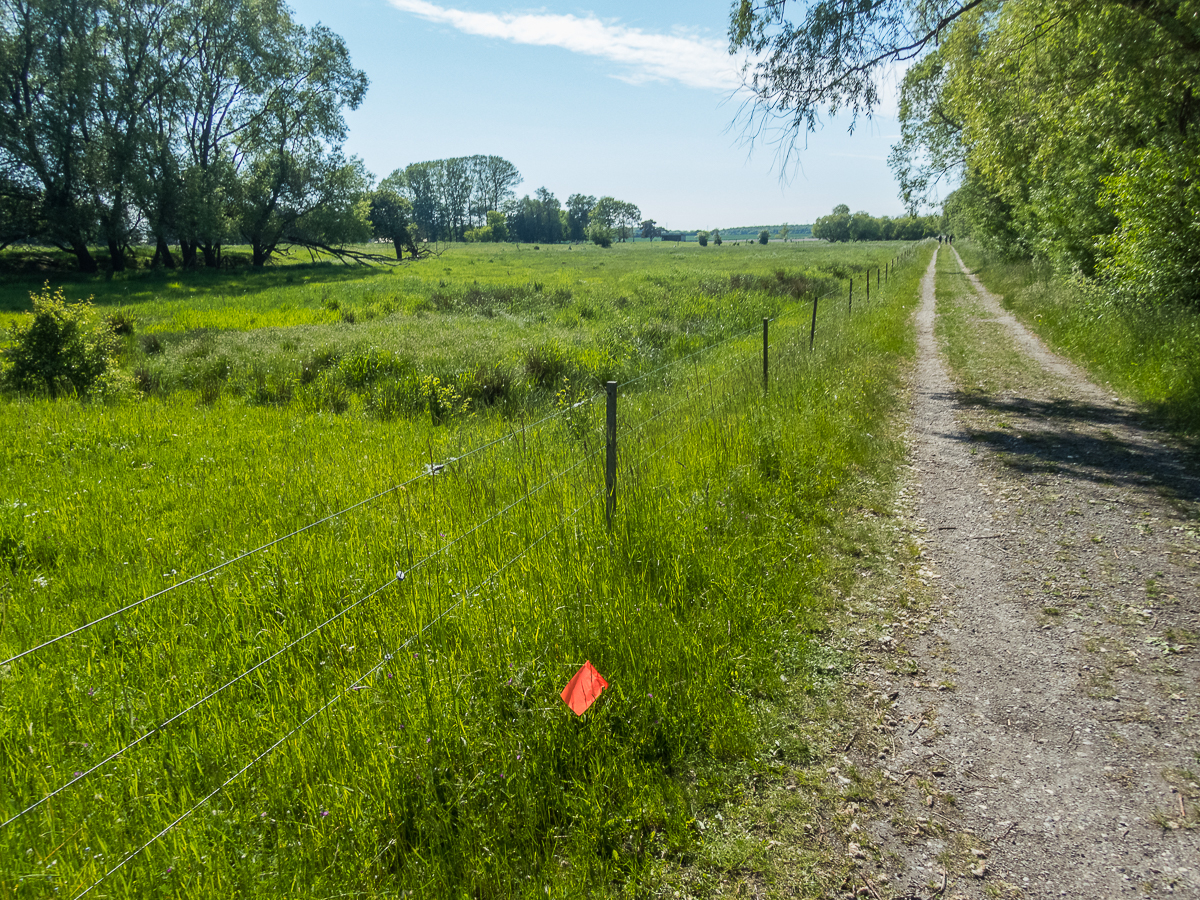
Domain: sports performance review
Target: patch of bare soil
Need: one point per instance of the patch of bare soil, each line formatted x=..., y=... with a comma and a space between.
x=1039, y=728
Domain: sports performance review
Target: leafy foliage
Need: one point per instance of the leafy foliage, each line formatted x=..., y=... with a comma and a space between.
x=1075, y=133
x=209, y=120
x=62, y=348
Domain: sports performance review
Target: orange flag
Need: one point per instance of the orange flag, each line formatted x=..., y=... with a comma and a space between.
x=582, y=690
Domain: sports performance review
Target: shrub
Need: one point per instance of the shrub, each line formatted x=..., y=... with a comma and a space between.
x=62, y=348
x=601, y=235
x=764, y=236
x=716, y=238
x=702, y=238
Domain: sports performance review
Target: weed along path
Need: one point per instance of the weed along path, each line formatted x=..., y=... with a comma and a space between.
x=1046, y=723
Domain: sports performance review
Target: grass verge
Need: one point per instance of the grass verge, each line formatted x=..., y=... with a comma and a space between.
x=1151, y=353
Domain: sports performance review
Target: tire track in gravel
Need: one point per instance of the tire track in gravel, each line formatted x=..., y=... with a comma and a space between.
x=1061, y=535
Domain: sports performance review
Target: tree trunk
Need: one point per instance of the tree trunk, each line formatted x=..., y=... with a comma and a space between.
x=83, y=257
x=187, y=250
x=162, y=254
x=399, y=245
x=260, y=254
x=210, y=255
x=116, y=256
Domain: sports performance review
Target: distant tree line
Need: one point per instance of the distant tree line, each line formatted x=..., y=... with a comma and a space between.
x=472, y=198
x=841, y=225
x=178, y=122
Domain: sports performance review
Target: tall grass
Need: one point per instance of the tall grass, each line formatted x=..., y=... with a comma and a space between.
x=349, y=733
x=498, y=323
x=1151, y=353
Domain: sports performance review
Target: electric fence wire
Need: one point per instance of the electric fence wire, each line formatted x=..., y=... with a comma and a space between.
x=637, y=464
x=465, y=595
x=430, y=471
x=158, y=729
x=413, y=568
x=691, y=393
x=682, y=359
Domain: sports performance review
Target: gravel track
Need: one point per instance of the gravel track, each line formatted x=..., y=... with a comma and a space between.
x=1045, y=724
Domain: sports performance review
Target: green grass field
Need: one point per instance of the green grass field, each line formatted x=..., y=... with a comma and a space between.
x=298, y=720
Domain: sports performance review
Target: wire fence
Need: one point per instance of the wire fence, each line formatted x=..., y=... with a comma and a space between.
x=649, y=434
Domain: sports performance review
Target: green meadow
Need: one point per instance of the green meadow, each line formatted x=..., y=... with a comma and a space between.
x=289, y=613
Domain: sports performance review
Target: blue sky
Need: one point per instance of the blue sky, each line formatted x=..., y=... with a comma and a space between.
x=634, y=100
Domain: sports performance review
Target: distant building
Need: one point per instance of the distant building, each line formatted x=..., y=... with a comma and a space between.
x=667, y=236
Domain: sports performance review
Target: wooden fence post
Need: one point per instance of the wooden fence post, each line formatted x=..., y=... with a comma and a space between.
x=610, y=456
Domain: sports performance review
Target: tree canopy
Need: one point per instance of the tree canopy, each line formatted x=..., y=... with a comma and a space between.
x=196, y=121
x=1071, y=127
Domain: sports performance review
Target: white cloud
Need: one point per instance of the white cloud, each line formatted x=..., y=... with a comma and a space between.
x=691, y=60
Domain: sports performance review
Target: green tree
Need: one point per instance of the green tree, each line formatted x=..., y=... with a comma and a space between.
x=702, y=238
x=716, y=237
x=605, y=212
x=579, y=208
x=864, y=227
x=627, y=218
x=50, y=57
x=391, y=215
x=783, y=231
x=493, y=179
x=764, y=236
x=834, y=227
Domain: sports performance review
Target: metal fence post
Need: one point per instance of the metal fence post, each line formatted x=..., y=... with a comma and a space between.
x=610, y=455
x=765, y=324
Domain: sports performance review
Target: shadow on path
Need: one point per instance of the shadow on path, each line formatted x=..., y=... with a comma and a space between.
x=1085, y=441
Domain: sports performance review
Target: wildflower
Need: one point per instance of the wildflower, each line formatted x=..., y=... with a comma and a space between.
x=324, y=813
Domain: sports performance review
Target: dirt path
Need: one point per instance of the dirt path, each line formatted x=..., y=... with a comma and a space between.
x=1046, y=723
